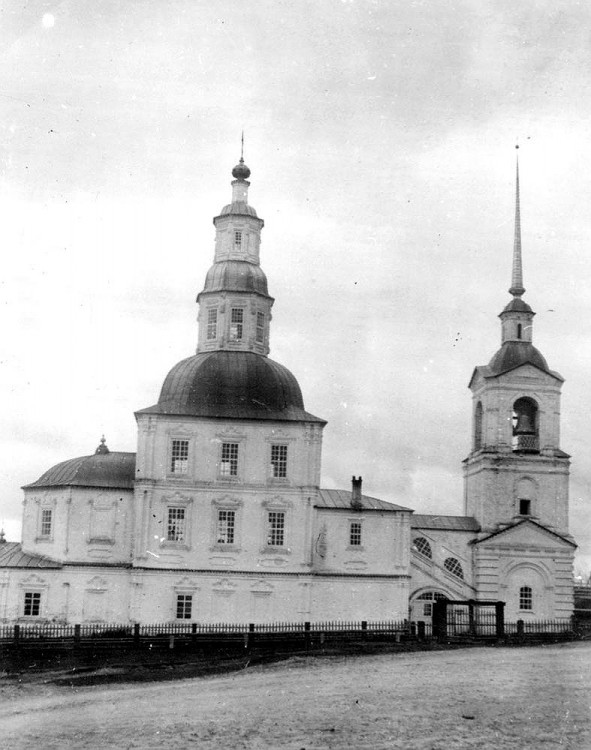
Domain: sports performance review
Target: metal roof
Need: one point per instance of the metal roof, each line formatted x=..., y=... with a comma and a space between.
x=112, y=469
x=444, y=523
x=513, y=354
x=235, y=276
x=235, y=385
x=12, y=556
x=341, y=500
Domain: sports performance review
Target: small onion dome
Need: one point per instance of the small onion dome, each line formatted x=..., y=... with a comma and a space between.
x=516, y=353
x=236, y=276
x=102, y=447
x=517, y=305
x=234, y=385
x=241, y=171
x=105, y=469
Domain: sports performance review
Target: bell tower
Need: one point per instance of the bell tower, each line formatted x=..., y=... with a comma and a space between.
x=516, y=469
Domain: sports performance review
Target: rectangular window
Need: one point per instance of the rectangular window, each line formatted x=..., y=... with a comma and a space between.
x=212, y=324
x=427, y=609
x=279, y=461
x=229, y=462
x=46, y=522
x=236, y=324
x=526, y=598
x=276, y=529
x=260, y=332
x=179, y=457
x=32, y=604
x=237, y=240
x=355, y=534
x=226, y=526
x=184, y=606
x=524, y=507
x=175, y=530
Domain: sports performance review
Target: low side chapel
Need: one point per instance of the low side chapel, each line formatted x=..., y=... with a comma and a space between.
x=219, y=515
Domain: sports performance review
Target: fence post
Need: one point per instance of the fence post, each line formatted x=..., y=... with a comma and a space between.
x=421, y=630
x=307, y=635
x=171, y=641
x=17, y=633
x=471, y=620
x=193, y=632
x=500, y=619
x=136, y=633
x=249, y=637
x=364, y=629
x=520, y=630
x=77, y=633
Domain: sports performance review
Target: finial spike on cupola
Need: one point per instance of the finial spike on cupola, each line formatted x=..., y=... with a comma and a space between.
x=241, y=172
x=2, y=537
x=517, y=288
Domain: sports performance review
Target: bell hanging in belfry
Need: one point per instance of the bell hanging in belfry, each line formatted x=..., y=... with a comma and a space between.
x=524, y=425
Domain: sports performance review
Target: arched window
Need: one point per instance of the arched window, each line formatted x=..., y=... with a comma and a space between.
x=422, y=546
x=454, y=567
x=478, y=426
x=525, y=425
x=526, y=598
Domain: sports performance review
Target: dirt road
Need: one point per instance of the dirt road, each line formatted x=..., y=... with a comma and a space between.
x=486, y=698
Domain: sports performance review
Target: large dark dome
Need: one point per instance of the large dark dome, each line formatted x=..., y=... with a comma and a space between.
x=516, y=353
x=236, y=276
x=240, y=385
x=109, y=469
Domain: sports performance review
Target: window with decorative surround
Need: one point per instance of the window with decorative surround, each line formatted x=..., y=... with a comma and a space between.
x=179, y=457
x=236, y=324
x=260, y=329
x=275, y=528
x=237, y=240
x=184, y=606
x=526, y=598
x=32, y=604
x=279, y=461
x=422, y=546
x=229, y=460
x=46, y=521
x=212, y=324
x=226, y=526
x=355, y=534
x=175, y=528
x=453, y=566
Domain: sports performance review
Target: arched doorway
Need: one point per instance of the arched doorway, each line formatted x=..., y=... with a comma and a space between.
x=421, y=605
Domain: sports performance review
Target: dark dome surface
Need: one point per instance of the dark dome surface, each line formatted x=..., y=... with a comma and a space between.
x=240, y=385
x=236, y=276
x=111, y=469
x=515, y=353
x=240, y=208
x=517, y=305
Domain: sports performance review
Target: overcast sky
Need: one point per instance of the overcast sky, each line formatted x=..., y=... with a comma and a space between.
x=381, y=138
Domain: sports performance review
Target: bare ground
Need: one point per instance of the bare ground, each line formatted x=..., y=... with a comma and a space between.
x=493, y=698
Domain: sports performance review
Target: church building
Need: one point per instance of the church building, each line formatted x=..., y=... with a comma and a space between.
x=220, y=517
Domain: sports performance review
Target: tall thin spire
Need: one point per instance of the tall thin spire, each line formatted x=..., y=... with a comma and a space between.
x=242, y=147
x=517, y=288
